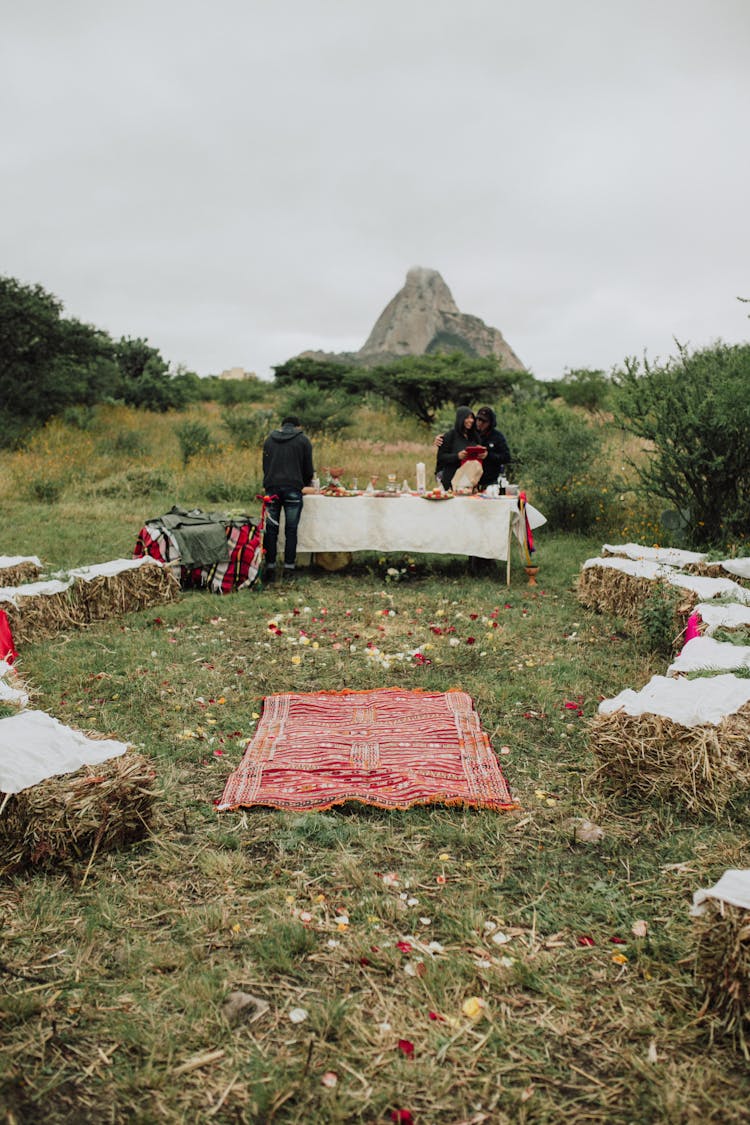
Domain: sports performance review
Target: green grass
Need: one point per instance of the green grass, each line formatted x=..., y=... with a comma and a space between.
x=111, y=990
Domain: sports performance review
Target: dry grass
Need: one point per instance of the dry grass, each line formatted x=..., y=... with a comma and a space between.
x=612, y=591
x=68, y=819
x=109, y=596
x=41, y=616
x=653, y=758
x=722, y=968
x=19, y=574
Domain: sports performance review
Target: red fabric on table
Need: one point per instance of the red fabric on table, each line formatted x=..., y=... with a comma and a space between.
x=391, y=747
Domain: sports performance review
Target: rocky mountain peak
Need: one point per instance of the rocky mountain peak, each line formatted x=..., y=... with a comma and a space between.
x=422, y=319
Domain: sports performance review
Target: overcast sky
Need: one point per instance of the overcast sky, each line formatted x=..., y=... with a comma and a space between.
x=241, y=180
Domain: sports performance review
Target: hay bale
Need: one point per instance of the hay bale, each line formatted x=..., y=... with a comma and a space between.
x=618, y=586
x=96, y=593
x=40, y=610
x=18, y=573
x=69, y=819
x=696, y=752
x=122, y=586
x=722, y=960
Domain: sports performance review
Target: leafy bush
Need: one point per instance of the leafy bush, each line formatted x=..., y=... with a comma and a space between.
x=135, y=482
x=586, y=388
x=78, y=417
x=248, y=430
x=559, y=455
x=694, y=415
x=45, y=489
x=128, y=443
x=222, y=490
x=321, y=412
x=658, y=619
x=194, y=439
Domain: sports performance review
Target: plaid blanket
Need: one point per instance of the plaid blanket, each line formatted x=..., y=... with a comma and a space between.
x=245, y=543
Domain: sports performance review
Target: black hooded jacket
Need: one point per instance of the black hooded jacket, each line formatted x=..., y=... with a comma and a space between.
x=454, y=441
x=498, y=453
x=287, y=459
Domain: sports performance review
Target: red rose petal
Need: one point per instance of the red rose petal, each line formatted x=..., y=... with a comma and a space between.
x=406, y=1047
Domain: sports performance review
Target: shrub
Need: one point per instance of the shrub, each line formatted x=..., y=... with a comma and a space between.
x=46, y=490
x=194, y=439
x=694, y=413
x=585, y=388
x=78, y=417
x=321, y=412
x=128, y=443
x=658, y=619
x=220, y=490
x=559, y=453
x=248, y=430
x=135, y=482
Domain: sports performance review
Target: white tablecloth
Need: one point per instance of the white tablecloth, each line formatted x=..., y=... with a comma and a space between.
x=464, y=525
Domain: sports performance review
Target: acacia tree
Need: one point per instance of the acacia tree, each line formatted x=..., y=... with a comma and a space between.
x=694, y=413
x=419, y=385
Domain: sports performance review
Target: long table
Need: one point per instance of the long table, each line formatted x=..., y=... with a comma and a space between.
x=462, y=525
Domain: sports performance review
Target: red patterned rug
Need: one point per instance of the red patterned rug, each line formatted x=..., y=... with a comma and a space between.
x=392, y=748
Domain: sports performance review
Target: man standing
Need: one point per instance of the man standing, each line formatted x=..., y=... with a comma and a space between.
x=287, y=469
x=498, y=454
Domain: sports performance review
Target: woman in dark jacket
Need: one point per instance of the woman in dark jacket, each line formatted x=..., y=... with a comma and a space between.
x=452, y=449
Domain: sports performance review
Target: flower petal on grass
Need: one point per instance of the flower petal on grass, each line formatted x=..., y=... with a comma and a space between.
x=406, y=1047
x=473, y=1008
x=298, y=1015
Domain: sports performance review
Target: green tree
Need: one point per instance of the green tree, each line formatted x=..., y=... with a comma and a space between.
x=586, y=388
x=47, y=362
x=556, y=453
x=146, y=379
x=419, y=385
x=694, y=416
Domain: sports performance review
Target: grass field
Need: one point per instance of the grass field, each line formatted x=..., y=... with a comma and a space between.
x=438, y=965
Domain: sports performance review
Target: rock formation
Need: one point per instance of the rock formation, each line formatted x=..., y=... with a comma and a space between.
x=422, y=319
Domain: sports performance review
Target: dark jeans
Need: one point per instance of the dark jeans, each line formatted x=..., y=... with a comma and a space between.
x=290, y=500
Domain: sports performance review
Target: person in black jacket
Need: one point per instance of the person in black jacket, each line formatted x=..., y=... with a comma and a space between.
x=498, y=453
x=451, y=446
x=287, y=469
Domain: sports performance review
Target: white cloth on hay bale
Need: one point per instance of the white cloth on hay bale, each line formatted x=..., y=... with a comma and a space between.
x=13, y=594
x=704, y=653
x=733, y=887
x=740, y=567
x=668, y=555
x=35, y=746
x=691, y=703
x=636, y=568
x=8, y=561
x=112, y=568
x=730, y=615
x=709, y=587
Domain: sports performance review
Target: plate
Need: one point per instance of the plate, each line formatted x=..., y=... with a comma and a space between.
x=445, y=497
